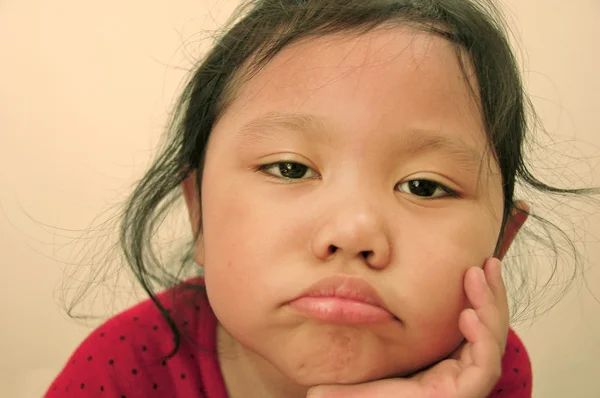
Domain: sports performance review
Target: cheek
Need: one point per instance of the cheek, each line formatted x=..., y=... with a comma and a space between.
x=434, y=301
x=437, y=254
x=436, y=295
x=242, y=238
x=439, y=244
x=225, y=236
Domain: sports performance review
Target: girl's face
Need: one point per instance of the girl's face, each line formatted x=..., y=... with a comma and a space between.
x=360, y=126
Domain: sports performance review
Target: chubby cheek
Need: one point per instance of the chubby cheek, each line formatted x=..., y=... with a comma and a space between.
x=434, y=294
x=433, y=321
x=431, y=316
x=239, y=254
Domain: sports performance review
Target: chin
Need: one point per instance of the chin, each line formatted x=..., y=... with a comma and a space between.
x=351, y=369
x=342, y=356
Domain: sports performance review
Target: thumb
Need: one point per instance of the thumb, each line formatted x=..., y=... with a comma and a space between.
x=338, y=391
x=325, y=392
x=393, y=388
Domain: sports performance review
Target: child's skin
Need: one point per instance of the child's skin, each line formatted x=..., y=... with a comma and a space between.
x=395, y=107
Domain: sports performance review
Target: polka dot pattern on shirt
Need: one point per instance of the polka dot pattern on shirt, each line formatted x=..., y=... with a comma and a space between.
x=518, y=369
x=126, y=357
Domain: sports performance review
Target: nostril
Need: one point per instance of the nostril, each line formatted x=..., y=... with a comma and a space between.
x=366, y=254
x=332, y=249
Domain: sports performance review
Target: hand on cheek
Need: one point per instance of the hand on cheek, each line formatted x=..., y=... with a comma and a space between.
x=472, y=370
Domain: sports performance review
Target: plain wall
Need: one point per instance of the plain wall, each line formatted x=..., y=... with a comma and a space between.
x=84, y=93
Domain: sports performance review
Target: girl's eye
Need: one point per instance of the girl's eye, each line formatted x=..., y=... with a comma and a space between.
x=297, y=171
x=289, y=170
x=425, y=189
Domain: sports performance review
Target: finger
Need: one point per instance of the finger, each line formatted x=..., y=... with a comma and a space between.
x=481, y=297
x=493, y=275
x=484, y=368
x=491, y=310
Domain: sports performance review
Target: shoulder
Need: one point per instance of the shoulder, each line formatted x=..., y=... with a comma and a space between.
x=127, y=356
x=516, y=379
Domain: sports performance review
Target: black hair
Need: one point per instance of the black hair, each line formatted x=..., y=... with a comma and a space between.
x=257, y=31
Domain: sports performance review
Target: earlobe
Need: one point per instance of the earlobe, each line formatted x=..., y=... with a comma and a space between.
x=192, y=200
x=190, y=192
x=517, y=219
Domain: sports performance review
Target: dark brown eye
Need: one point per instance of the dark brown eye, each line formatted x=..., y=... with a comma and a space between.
x=289, y=170
x=425, y=189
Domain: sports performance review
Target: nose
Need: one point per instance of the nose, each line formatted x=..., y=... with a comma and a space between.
x=353, y=232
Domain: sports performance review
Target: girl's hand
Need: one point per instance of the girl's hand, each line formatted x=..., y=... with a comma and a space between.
x=472, y=370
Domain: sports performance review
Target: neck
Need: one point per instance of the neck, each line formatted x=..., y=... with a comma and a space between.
x=248, y=375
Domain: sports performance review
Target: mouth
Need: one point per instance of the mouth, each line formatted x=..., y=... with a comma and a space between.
x=342, y=299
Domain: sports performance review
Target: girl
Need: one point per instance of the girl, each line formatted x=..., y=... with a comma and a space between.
x=349, y=170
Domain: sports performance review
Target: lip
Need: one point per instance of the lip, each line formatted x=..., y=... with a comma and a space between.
x=342, y=299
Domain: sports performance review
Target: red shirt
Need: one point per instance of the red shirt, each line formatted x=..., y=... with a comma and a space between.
x=123, y=358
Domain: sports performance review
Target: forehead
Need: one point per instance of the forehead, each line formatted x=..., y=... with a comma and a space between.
x=398, y=76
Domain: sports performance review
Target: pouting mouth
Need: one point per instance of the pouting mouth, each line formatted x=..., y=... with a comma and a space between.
x=345, y=287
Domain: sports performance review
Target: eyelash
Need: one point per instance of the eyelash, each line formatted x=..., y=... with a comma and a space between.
x=265, y=169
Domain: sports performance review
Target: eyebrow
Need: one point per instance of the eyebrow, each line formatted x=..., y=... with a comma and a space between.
x=272, y=124
x=312, y=127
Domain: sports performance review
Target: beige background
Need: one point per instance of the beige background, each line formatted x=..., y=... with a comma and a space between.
x=84, y=90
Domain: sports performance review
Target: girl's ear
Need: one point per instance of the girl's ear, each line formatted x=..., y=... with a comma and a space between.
x=517, y=218
x=192, y=201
